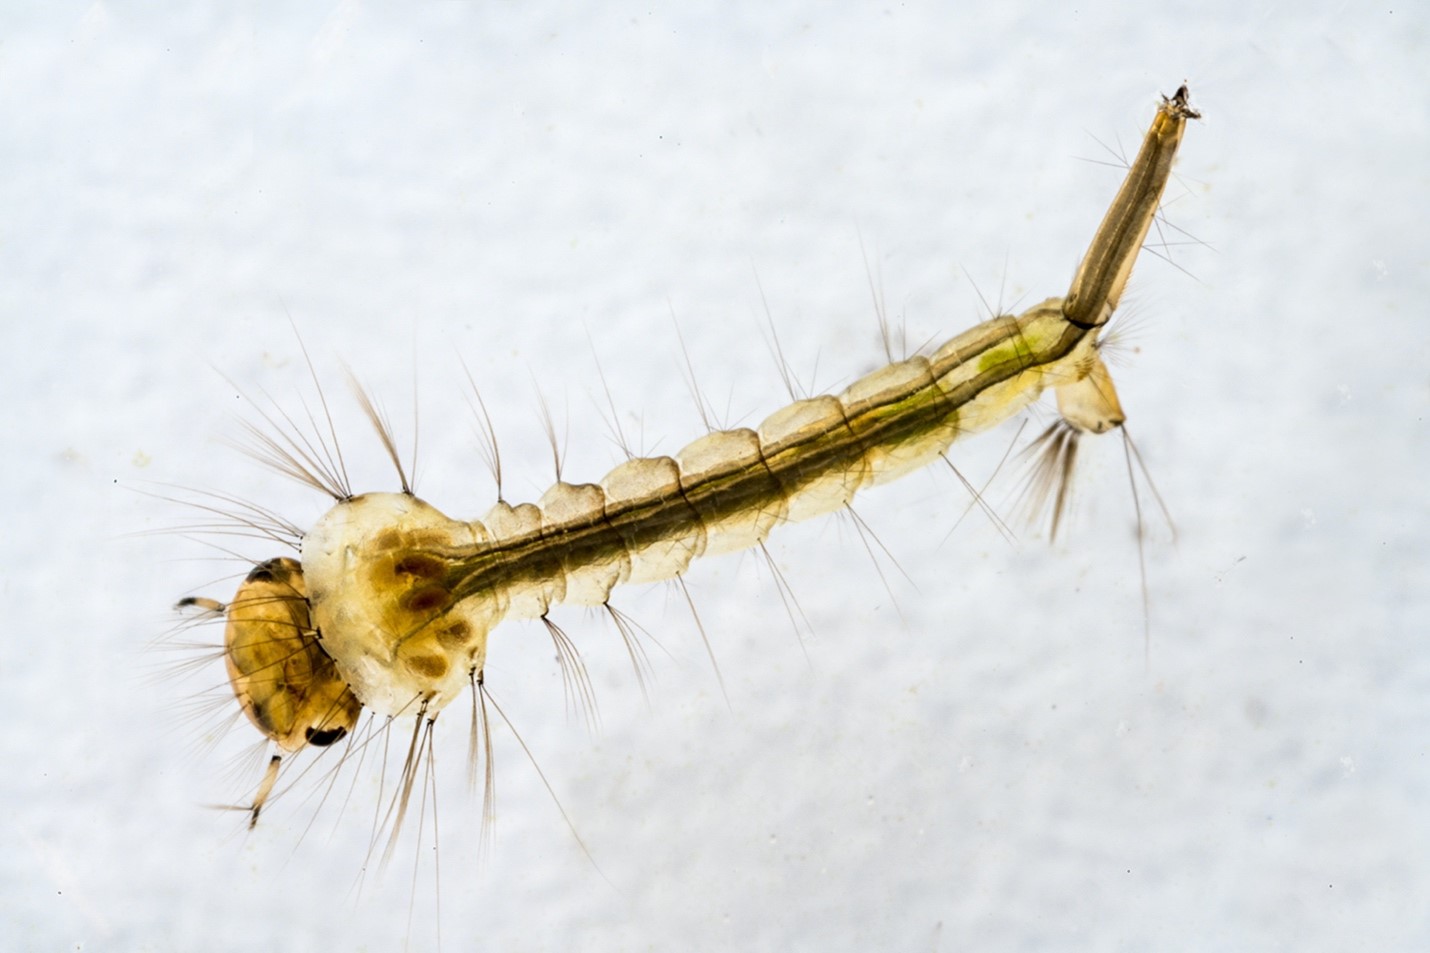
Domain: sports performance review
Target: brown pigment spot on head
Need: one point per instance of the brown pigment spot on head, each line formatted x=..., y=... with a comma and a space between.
x=428, y=666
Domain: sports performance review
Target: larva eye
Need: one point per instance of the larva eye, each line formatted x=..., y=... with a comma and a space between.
x=286, y=683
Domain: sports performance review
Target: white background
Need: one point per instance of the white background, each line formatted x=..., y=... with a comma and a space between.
x=976, y=756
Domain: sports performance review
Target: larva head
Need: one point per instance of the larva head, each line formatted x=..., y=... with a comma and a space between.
x=287, y=684
x=382, y=571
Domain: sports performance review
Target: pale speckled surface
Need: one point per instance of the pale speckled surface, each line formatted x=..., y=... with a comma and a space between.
x=989, y=767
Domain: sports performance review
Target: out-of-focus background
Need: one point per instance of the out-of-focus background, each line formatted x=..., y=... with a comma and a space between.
x=978, y=744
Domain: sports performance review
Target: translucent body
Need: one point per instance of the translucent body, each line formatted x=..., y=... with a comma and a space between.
x=404, y=597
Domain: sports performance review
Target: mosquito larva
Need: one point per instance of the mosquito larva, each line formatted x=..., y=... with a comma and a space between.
x=392, y=603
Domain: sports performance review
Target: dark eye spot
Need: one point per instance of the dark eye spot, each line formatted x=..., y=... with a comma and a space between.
x=263, y=572
x=321, y=738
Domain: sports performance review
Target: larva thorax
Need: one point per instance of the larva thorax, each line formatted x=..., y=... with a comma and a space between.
x=379, y=579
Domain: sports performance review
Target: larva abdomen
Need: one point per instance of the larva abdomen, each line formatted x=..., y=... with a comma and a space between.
x=725, y=491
